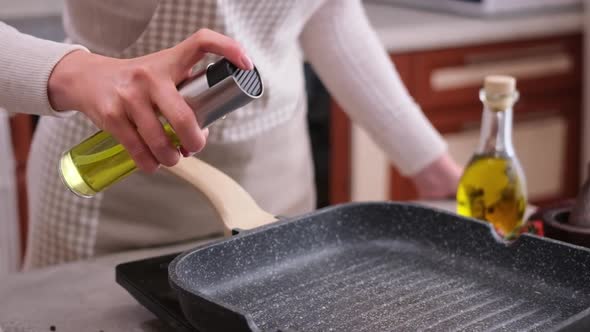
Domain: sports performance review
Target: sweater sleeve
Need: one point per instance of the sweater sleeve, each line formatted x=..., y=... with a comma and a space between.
x=26, y=63
x=347, y=55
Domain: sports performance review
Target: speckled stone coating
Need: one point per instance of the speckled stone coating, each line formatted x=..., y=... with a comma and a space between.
x=383, y=267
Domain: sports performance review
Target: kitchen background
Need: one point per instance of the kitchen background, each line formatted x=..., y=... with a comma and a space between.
x=442, y=51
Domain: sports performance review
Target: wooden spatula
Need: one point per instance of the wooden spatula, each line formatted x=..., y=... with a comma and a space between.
x=235, y=206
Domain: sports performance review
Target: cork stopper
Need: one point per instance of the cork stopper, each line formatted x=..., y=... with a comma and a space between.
x=499, y=85
x=499, y=92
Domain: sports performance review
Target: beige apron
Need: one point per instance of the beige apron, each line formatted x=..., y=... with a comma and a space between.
x=153, y=210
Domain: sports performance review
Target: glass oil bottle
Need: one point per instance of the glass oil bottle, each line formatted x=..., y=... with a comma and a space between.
x=493, y=186
x=100, y=161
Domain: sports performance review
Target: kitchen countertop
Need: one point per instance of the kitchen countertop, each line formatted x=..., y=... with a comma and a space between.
x=83, y=296
x=408, y=30
x=80, y=296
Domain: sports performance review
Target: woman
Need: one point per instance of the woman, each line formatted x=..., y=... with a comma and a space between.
x=264, y=146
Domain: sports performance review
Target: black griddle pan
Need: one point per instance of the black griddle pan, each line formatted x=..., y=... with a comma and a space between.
x=380, y=267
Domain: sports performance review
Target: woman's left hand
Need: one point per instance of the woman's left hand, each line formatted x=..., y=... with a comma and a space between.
x=439, y=180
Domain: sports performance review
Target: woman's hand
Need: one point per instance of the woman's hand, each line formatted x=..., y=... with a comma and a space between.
x=121, y=96
x=439, y=180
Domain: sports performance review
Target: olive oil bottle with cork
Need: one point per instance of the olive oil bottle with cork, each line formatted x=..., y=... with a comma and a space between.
x=493, y=186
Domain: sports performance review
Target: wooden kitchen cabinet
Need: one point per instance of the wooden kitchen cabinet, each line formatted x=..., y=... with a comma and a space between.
x=547, y=118
x=21, y=126
x=453, y=77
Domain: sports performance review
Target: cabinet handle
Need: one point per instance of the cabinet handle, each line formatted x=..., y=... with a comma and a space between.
x=524, y=68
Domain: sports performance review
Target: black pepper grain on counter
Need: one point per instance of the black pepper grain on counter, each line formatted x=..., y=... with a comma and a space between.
x=52, y=328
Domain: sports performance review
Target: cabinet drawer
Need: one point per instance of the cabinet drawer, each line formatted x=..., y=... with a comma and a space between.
x=453, y=77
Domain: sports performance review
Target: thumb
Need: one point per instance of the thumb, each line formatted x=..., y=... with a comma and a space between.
x=191, y=50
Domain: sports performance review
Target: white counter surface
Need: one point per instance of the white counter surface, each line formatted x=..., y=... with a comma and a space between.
x=407, y=30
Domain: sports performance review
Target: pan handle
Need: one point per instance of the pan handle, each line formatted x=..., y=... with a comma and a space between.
x=234, y=205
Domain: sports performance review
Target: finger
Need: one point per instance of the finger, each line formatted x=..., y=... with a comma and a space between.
x=191, y=50
x=185, y=153
x=180, y=116
x=126, y=134
x=151, y=130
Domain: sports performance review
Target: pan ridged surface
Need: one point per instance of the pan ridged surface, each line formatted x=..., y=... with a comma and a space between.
x=385, y=286
x=396, y=268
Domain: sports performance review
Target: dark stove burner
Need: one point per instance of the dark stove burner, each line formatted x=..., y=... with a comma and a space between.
x=147, y=281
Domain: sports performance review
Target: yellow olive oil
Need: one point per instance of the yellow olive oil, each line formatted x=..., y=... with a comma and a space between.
x=493, y=186
x=98, y=162
x=491, y=189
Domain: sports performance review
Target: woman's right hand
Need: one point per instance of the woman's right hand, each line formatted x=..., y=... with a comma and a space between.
x=121, y=95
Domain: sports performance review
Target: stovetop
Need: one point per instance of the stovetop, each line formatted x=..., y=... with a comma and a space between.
x=147, y=281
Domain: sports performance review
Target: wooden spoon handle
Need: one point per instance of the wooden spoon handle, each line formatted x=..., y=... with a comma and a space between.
x=235, y=206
